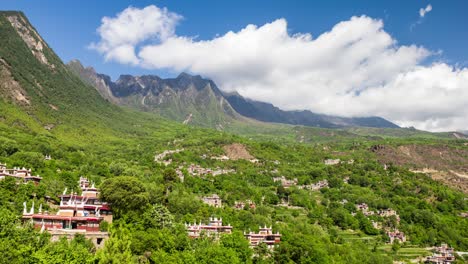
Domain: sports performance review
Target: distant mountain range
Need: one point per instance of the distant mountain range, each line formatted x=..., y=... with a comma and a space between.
x=193, y=99
x=269, y=113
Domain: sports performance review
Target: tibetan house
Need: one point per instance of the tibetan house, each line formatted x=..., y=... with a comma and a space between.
x=265, y=235
x=77, y=214
x=442, y=255
x=214, y=228
x=396, y=235
x=213, y=200
x=20, y=174
x=242, y=205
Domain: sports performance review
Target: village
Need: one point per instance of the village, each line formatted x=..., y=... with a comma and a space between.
x=215, y=226
x=82, y=212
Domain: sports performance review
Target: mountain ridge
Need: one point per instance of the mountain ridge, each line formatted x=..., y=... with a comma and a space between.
x=145, y=92
x=173, y=98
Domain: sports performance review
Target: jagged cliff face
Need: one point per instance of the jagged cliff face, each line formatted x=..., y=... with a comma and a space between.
x=29, y=35
x=10, y=89
x=36, y=85
x=91, y=77
x=175, y=98
x=187, y=95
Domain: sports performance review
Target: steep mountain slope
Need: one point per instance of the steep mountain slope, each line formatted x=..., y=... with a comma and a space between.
x=39, y=94
x=179, y=97
x=187, y=98
x=34, y=77
x=442, y=162
x=89, y=76
x=269, y=113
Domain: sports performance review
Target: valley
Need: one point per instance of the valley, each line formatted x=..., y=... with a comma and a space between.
x=222, y=187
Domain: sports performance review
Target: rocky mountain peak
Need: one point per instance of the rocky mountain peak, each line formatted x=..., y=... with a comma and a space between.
x=178, y=97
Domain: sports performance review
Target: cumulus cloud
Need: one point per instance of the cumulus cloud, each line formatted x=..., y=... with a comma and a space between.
x=355, y=69
x=424, y=11
x=120, y=34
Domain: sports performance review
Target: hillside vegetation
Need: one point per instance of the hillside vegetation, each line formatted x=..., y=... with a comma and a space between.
x=116, y=147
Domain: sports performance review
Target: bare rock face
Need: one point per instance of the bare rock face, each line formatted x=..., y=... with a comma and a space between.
x=187, y=99
x=31, y=38
x=237, y=151
x=98, y=81
x=443, y=163
x=9, y=88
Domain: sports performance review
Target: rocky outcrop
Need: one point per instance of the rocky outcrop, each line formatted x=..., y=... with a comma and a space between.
x=441, y=162
x=237, y=151
x=186, y=98
x=98, y=81
x=33, y=40
x=10, y=89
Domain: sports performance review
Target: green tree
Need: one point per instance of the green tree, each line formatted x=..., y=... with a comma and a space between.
x=125, y=194
x=396, y=246
x=117, y=249
x=76, y=251
x=157, y=216
x=18, y=243
x=237, y=242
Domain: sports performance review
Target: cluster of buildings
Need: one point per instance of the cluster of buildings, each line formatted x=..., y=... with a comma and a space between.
x=285, y=182
x=364, y=208
x=225, y=158
x=315, y=186
x=77, y=214
x=160, y=157
x=241, y=205
x=388, y=213
x=442, y=255
x=197, y=170
x=396, y=235
x=213, y=200
x=20, y=174
x=215, y=227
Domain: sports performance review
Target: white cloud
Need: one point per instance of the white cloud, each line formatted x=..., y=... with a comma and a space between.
x=132, y=26
x=424, y=11
x=355, y=69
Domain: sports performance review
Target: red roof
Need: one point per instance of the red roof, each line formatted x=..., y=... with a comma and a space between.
x=59, y=217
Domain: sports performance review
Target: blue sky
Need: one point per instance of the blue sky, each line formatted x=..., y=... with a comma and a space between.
x=402, y=60
x=69, y=26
